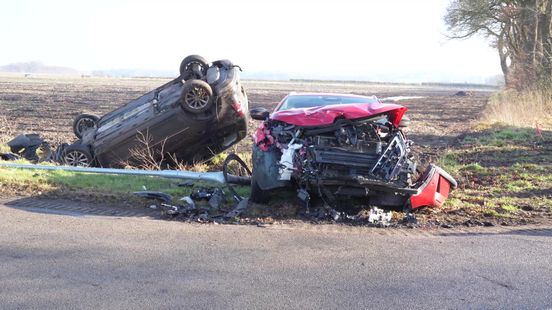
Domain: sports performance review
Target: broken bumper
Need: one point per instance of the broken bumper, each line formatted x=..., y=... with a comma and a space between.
x=434, y=189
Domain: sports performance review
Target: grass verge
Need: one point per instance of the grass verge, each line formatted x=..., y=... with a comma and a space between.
x=92, y=187
x=504, y=174
x=520, y=109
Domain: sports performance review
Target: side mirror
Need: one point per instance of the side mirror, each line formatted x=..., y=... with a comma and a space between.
x=259, y=113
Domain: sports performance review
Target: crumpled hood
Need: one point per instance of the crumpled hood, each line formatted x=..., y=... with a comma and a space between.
x=326, y=115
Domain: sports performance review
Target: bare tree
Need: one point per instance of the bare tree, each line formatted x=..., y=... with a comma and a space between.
x=519, y=29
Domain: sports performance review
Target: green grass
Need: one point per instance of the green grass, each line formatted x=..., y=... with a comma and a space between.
x=510, y=208
x=502, y=170
x=25, y=181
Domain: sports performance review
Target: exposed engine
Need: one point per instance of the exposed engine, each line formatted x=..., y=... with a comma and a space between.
x=336, y=145
x=349, y=157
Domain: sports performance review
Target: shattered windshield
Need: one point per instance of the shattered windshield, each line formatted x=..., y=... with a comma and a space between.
x=309, y=101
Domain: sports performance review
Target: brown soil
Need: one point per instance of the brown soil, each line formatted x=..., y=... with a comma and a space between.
x=49, y=105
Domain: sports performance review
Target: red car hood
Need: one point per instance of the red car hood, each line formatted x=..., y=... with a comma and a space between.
x=326, y=115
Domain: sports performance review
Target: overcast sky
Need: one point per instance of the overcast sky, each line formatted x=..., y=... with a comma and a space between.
x=403, y=39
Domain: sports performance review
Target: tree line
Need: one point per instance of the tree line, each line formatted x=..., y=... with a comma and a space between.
x=520, y=30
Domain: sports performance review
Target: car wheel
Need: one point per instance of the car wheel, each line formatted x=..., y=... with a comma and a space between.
x=84, y=122
x=257, y=194
x=193, y=67
x=197, y=96
x=77, y=155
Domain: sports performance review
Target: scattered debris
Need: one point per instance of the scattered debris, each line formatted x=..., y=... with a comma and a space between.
x=242, y=205
x=187, y=183
x=217, y=198
x=191, y=207
x=27, y=145
x=380, y=217
x=9, y=156
x=410, y=219
x=164, y=197
x=189, y=202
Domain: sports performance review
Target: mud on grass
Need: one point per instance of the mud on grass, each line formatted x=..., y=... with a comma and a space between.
x=504, y=175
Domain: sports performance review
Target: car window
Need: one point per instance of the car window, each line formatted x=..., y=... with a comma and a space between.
x=309, y=101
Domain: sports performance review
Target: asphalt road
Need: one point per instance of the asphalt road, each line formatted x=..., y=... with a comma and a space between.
x=63, y=260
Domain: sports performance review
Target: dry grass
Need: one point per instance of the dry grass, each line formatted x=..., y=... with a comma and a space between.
x=146, y=155
x=522, y=109
x=6, y=133
x=149, y=156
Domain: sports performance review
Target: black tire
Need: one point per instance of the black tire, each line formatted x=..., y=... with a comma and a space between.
x=83, y=122
x=193, y=67
x=257, y=194
x=197, y=96
x=77, y=155
x=238, y=178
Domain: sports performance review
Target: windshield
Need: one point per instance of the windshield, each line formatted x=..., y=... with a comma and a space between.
x=309, y=101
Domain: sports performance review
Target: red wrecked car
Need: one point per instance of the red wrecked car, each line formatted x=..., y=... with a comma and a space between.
x=335, y=145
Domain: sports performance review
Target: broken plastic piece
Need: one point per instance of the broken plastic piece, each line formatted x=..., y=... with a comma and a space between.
x=203, y=193
x=166, y=198
x=9, y=156
x=242, y=205
x=27, y=145
x=187, y=183
x=217, y=198
x=435, y=188
x=380, y=217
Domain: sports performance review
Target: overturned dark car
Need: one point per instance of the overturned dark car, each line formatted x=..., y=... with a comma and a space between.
x=334, y=145
x=189, y=119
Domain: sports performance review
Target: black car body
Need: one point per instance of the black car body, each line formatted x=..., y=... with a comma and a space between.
x=189, y=119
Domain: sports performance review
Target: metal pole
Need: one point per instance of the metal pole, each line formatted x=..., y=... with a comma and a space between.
x=174, y=174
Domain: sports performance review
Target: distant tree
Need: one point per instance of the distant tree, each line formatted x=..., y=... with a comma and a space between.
x=519, y=29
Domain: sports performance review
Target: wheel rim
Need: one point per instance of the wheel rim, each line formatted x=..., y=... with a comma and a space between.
x=195, y=66
x=77, y=158
x=85, y=123
x=197, y=98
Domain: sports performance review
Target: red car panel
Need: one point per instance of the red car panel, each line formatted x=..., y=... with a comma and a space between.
x=326, y=115
x=434, y=190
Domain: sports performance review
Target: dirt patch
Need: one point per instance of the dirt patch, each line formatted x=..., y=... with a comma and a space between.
x=48, y=105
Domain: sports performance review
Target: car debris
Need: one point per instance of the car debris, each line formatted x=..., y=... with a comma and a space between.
x=340, y=145
x=9, y=156
x=190, y=119
x=410, y=219
x=187, y=183
x=26, y=146
x=214, y=196
x=239, y=209
x=164, y=197
x=380, y=217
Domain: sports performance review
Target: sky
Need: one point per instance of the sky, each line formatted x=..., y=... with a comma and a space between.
x=391, y=40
